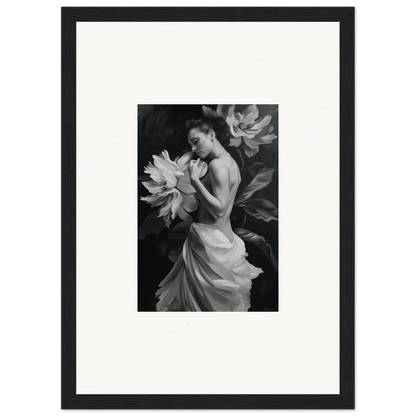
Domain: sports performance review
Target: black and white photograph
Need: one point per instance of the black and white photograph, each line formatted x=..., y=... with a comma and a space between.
x=208, y=208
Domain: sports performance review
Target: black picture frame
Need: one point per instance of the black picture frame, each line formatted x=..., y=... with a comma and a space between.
x=344, y=400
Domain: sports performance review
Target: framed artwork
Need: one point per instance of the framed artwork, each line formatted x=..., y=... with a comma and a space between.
x=219, y=277
x=208, y=166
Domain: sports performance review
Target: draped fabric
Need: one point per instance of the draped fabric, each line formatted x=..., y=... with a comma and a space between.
x=211, y=274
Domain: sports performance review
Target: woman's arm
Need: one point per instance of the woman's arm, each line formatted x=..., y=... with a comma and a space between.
x=217, y=203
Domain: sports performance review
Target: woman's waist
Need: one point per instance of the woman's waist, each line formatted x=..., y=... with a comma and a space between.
x=224, y=229
x=223, y=224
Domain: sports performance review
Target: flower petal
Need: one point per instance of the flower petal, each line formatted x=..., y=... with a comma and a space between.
x=265, y=139
x=154, y=199
x=164, y=163
x=172, y=203
x=165, y=155
x=208, y=112
x=183, y=215
x=165, y=209
x=170, y=178
x=250, y=114
x=204, y=168
x=249, y=152
x=233, y=124
x=153, y=172
x=176, y=203
x=149, y=198
x=189, y=203
x=247, y=133
x=261, y=123
x=250, y=148
x=221, y=111
x=184, y=160
x=254, y=130
x=168, y=220
x=235, y=141
x=250, y=143
x=154, y=187
x=265, y=131
x=184, y=185
x=239, y=117
x=265, y=136
x=231, y=111
x=157, y=199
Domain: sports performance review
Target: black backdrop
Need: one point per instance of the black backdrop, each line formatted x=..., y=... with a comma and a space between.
x=163, y=127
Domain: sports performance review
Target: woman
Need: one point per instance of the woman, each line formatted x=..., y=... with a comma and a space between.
x=212, y=273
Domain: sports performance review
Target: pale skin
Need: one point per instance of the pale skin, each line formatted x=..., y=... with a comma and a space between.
x=216, y=191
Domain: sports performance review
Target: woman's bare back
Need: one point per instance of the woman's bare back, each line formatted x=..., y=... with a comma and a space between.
x=222, y=224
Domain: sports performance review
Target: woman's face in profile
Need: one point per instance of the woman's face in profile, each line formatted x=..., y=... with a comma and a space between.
x=201, y=143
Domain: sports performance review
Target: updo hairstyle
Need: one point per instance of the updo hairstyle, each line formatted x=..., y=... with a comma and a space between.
x=222, y=131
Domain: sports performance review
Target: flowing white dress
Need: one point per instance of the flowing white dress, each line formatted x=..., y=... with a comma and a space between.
x=211, y=274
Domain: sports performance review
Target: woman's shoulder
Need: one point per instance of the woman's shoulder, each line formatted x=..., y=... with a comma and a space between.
x=218, y=168
x=227, y=163
x=217, y=164
x=224, y=166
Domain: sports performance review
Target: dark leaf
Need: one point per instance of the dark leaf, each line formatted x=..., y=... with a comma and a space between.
x=176, y=238
x=261, y=180
x=144, y=178
x=259, y=241
x=255, y=168
x=262, y=209
x=151, y=225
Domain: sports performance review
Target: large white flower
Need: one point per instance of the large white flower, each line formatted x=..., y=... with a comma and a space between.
x=170, y=187
x=247, y=131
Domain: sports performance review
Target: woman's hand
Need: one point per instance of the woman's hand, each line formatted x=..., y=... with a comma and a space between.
x=220, y=199
x=197, y=168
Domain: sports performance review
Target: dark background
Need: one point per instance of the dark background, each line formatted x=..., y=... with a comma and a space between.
x=163, y=127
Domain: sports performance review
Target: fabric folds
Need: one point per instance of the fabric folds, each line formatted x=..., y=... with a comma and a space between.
x=211, y=274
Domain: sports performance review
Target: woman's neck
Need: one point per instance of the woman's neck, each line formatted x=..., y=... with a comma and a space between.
x=217, y=151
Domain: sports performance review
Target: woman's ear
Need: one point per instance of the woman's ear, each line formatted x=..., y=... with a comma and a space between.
x=212, y=134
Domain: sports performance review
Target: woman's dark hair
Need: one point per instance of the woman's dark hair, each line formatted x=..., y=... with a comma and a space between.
x=222, y=131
